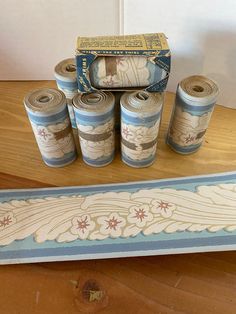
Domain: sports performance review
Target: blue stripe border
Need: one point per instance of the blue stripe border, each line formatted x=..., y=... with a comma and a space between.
x=59, y=162
x=53, y=118
x=92, y=118
x=181, y=149
x=137, y=120
x=100, y=161
x=121, y=248
x=194, y=109
x=138, y=163
x=72, y=86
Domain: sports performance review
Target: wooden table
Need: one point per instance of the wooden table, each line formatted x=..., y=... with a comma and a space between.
x=193, y=283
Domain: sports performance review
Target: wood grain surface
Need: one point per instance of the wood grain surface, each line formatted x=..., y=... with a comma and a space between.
x=191, y=283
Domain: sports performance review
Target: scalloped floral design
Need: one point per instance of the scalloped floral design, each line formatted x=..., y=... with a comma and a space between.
x=100, y=148
x=187, y=129
x=50, y=147
x=139, y=135
x=119, y=214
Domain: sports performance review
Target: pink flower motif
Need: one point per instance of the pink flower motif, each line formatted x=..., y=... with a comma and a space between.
x=139, y=215
x=42, y=133
x=82, y=225
x=7, y=220
x=111, y=225
x=165, y=209
x=125, y=131
x=189, y=139
x=109, y=82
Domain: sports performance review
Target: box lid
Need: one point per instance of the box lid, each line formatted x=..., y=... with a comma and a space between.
x=103, y=44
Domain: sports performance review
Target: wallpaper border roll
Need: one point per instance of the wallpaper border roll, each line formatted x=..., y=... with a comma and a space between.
x=168, y=216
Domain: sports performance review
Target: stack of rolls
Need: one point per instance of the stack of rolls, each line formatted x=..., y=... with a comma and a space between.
x=95, y=113
x=138, y=82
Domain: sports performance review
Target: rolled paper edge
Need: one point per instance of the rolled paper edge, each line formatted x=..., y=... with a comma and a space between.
x=143, y=163
x=61, y=162
x=184, y=150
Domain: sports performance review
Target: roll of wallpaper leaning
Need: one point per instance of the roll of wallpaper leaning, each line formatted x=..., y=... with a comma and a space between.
x=124, y=72
x=94, y=113
x=66, y=78
x=48, y=115
x=140, y=120
x=194, y=104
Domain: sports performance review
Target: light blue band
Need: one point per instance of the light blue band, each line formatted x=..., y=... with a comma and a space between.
x=52, y=119
x=139, y=121
x=73, y=123
x=67, y=158
x=67, y=85
x=93, y=118
x=138, y=163
x=99, y=161
x=194, y=110
x=182, y=149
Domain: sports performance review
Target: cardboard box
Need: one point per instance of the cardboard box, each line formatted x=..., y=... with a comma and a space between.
x=153, y=47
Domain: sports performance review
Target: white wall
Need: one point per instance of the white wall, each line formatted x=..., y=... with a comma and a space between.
x=202, y=37
x=36, y=34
